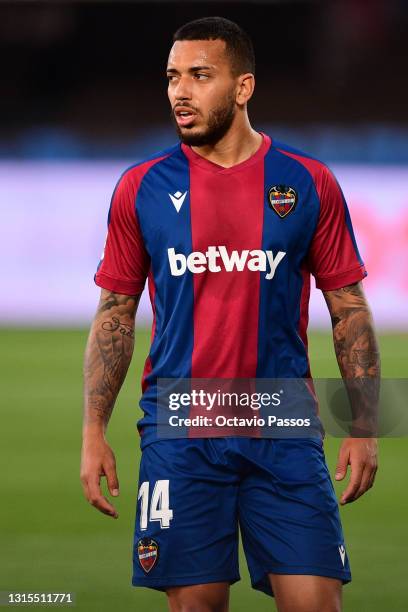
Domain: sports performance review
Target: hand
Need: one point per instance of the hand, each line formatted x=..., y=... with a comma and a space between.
x=98, y=460
x=361, y=454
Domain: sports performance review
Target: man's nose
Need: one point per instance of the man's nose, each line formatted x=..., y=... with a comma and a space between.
x=183, y=90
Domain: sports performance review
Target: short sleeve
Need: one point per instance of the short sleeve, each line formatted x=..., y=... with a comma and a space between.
x=125, y=262
x=333, y=256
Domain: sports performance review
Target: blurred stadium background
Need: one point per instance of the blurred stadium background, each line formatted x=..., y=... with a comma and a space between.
x=82, y=97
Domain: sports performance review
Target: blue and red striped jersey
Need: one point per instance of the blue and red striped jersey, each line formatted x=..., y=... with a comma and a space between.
x=228, y=254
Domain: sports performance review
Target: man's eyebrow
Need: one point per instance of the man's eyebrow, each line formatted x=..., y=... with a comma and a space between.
x=196, y=68
x=192, y=69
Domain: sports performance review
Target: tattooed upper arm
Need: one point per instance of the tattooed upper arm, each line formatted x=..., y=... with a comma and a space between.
x=353, y=331
x=115, y=303
x=341, y=302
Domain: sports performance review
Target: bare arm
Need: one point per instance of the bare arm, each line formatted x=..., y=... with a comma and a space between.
x=353, y=332
x=107, y=357
x=358, y=357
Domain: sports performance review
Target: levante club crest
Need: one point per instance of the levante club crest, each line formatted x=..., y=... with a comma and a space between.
x=282, y=199
x=148, y=552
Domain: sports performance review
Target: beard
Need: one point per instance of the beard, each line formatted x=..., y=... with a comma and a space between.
x=219, y=122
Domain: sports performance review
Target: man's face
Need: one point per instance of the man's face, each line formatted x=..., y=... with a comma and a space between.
x=202, y=90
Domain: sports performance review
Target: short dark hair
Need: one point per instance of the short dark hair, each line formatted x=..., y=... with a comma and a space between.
x=239, y=46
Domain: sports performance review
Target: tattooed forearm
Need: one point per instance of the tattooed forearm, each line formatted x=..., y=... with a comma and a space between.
x=108, y=354
x=353, y=332
x=114, y=324
x=357, y=352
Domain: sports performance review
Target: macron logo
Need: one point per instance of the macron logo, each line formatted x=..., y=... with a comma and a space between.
x=216, y=259
x=178, y=199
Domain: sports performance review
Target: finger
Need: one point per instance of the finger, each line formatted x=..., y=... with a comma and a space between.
x=112, y=479
x=342, y=463
x=354, y=484
x=84, y=481
x=365, y=483
x=373, y=471
x=97, y=500
x=373, y=475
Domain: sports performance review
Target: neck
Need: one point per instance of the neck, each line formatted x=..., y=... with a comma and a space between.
x=239, y=144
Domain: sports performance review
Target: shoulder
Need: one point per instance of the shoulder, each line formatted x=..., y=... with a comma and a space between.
x=319, y=171
x=133, y=175
x=127, y=186
x=307, y=160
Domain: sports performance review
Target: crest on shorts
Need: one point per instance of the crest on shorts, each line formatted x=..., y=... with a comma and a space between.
x=148, y=553
x=282, y=199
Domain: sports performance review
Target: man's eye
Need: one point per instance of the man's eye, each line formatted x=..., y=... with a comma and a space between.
x=201, y=76
x=171, y=77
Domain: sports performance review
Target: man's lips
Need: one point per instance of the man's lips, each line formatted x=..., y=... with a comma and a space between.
x=184, y=116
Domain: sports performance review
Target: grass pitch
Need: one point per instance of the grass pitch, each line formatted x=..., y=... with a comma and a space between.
x=52, y=540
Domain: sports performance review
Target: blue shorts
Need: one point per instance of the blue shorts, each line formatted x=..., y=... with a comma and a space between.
x=194, y=494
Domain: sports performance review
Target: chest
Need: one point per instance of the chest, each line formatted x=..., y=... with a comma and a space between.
x=264, y=207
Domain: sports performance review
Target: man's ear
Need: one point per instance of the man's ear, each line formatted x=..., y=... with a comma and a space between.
x=245, y=89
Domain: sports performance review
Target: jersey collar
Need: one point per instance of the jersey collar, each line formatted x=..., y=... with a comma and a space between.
x=197, y=159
